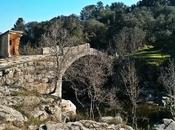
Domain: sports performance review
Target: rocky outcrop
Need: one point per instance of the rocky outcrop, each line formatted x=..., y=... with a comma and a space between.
x=63, y=110
x=53, y=126
x=112, y=120
x=47, y=111
x=168, y=124
x=8, y=114
x=83, y=125
x=68, y=110
x=36, y=107
x=20, y=100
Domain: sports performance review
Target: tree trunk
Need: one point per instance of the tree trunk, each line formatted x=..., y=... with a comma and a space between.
x=58, y=87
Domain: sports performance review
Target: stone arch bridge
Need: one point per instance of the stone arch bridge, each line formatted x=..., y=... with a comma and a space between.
x=36, y=72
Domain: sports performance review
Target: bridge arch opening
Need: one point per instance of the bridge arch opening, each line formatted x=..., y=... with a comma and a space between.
x=87, y=52
x=69, y=84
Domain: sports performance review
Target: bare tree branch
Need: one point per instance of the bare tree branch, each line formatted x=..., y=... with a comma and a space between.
x=168, y=80
x=131, y=83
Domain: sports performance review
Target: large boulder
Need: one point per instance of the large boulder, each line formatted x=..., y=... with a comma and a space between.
x=8, y=114
x=44, y=112
x=68, y=109
x=168, y=124
x=165, y=101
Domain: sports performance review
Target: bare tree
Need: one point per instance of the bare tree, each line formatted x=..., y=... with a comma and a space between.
x=57, y=39
x=91, y=74
x=131, y=83
x=168, y=80
x=128, y=40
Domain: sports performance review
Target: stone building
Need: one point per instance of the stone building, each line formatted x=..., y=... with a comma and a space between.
x=9, y=43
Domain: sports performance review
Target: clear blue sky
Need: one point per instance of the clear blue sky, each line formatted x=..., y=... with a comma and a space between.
x=41, y=10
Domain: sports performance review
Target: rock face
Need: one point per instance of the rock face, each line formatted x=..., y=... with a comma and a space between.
x=8, y=114
x=53, y=126
x=68, y=109
x=168, y=124
x=112, y=120
x=44, y=112
x=58, y=111
x=36, y=107
x=83, y=125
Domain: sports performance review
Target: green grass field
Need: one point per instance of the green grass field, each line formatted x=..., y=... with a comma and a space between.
x=151, y=55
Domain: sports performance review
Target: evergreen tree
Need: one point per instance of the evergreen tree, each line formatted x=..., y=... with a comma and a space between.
x=19, y=25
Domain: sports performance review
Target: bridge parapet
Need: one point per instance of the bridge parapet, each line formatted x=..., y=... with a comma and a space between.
x=62, y=51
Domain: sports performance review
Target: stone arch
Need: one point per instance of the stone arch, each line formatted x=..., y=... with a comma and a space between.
x=84, y=50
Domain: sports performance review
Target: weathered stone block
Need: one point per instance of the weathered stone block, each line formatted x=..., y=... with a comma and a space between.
x=45, y=80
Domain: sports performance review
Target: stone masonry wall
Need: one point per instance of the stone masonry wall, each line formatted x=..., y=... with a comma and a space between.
x=37, y=72
x=33, y=75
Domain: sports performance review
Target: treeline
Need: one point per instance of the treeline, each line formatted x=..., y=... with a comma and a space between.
x=114, y=28
x=122, y=83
